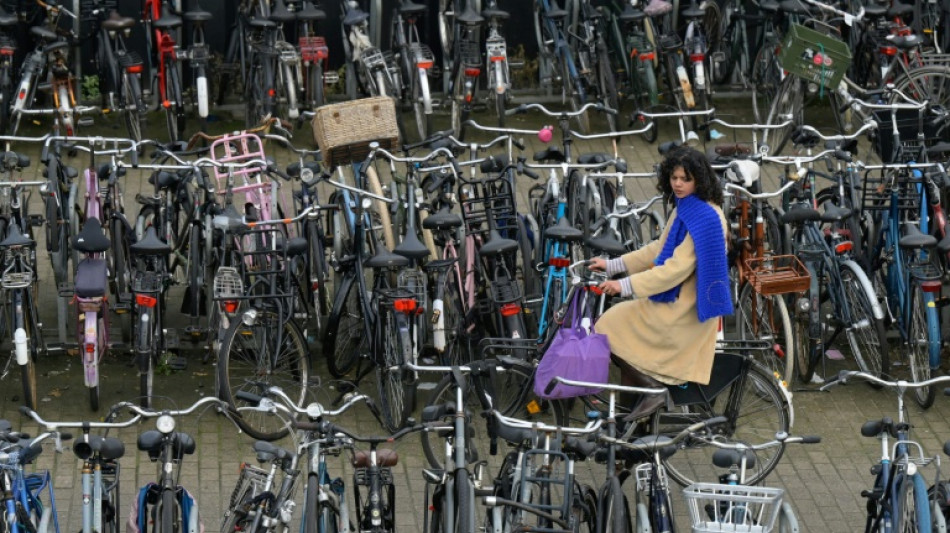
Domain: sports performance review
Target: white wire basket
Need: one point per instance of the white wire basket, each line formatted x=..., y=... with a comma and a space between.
x=717, y=507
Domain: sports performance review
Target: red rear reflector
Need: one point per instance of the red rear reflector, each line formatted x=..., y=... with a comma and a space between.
x=889, y=50
x=90, y=348
x=6, y=51
x=511, y=309
x=778, y=350
x=315, y=285
x=559, y=262
x=166, y=104
x=405, y=305
x=230, y=306
x=648, y=56
x=497, y=58
x=271, y=92
x=424, y=64
x=472, y=72
x=22, y=94
x=844, y=247
x=930, y=286
x=596, y=290
x=695, y=58
x=134, y=69
x=145, y=300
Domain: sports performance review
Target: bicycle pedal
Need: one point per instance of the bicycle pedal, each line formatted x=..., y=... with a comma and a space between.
x=176, y=362
x=85, y=122
x=36, y=220
x=195, y=333
x=515, y=65
x=426, y=385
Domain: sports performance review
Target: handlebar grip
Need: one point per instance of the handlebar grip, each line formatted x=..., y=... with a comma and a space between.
x=716, y=421
x=308, y=426
x=811, y=439
x=550, y=386
x=65, y=436
x=517, y=110
x=518, y=144
x=249, y=397
x=26, y=411
x=135, y=157
x=606, y=109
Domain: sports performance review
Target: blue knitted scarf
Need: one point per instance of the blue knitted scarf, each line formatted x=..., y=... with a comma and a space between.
x=700, y=220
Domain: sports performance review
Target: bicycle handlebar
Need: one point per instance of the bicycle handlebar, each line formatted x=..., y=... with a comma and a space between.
x=590, y=429
x=749, y=126
x=313, y=410
x=868, y=126
x=612, y=134
x=54, y=426
x=844, y=375
x=762, y=195
x=635, y=209
x=492, y=129
x=678, y=114
x=651, y=444
x=523, y=108
x=148, y=413
x=606, y=386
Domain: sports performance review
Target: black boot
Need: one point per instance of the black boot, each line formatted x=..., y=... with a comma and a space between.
x=648, y=403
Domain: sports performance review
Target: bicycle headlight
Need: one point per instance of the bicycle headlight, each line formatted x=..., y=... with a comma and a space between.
x=165, y=424
x=314, y=411
x=307, y=176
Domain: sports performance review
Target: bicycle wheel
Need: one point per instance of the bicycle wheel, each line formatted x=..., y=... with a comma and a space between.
x=806, y=360
x=584, y=510
x=385, y=228
x=449, y=342
x=726, y=49
x=396, y=389
x=121, y=273
x=766, y=81
x=260, y=355
x=614, y=510
x=573, y=87
x=343, y=339
x=460, y=110
x=174, y=110
x=919, y=341
x=607, y=85
x=755, y=408
x=931, y=83
x=514, y=396
x=319, y=517
x=167, y=516
x=765, y=318
x=787, y=521
x=315, y=89
x=866, y=334
x=787, y=105
x=6, y=97
x=147, y=332
x=28, y=370
x=912, y=505
x=133, y=120
x=420, y=93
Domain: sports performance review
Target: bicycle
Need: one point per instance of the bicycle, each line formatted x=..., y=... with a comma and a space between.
x=461, y=27
x=367, y=68
x=556, y=60
x=415, y=59
x=99, y=468
x=199, y=55
x=898, y=500
x=25, y=507
x=164, y=70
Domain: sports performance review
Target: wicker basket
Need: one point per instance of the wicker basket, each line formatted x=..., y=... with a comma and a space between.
x=343, y=131
x=778, y=274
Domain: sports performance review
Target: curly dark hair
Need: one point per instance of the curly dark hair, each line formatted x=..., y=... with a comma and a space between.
x=697, y=167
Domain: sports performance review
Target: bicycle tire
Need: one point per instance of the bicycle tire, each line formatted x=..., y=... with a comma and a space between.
x=583, y=510
x=608, y=85
x=133, y=120
x=121, y=272
x=761, y=411
x=766, y=81
x=912, y=506
x=573, y=88
x=931, y=83
x=787, y=520
x=788, y=104
x=318, y=517
x=452, y=317
x=175, y=112
x=28, y=370
x=867, y=335
x=168, y=514
x=615, y=508
x=6, y=97
x=315, y=89
x=642, y=519
x=420, y=93
x=806, y=361
x=920, y=342
x=514, y=396
x=460, y=111
x=500, y=97
x=728, y=46
x=145, y=347
x=317, y=267
x=254, y=94
x=102, y=350
x=394, y=383
x=243, y=365
x=766, y=317
x=343, y=338
x=381, y=207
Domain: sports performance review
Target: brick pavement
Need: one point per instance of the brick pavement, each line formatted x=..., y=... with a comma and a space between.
x=823, y=481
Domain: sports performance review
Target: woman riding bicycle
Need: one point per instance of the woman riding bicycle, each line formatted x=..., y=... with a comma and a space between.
x=666, y=335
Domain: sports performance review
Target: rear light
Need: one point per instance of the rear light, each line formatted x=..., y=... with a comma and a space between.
x=559, y=262
x=22, y=95
x=649, y=56
x=696, y=58
x=145, y=300
x=930, y=286
x=134, y=69
x=424, y=64
x=493, y=59
x=90, y=348
x=472, y=72
x=405, y=305
x=510, y=309
x=597, y=290
x=7, y=51
x=889, y=50
x=778, y=350
x=230, y=306
x=844, y=247
x=315, y=286
x=166, y=104
x=271, y=93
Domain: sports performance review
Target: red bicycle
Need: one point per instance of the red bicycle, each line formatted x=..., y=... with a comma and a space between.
x=160, y=21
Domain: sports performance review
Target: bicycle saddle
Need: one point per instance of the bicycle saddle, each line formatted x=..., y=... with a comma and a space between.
x=310, y=13
x=563, y=231
x=355, y=16
x=443, y=219
x=166, y=20
x=267, y=452
x=294, y=246
x=495, y=13
x=944, y=245
x=898, y=9
x=632, y=14
x=197, y=15
x=13, y=160
x=45, y=35
x=730, y=458
x=913, y=238
x=591, y=12
x=493, y=163
x=905, y=42
x=551, y=153
x=834, y=213
x=606, y=244
x=593, y=158
x=438, y=265
x=151, y=442
x=408, y=7
x=384, y=457
x=91, y=238
x=105, y=170
x=386, y=259
x=280, y=14
x=164, y=179
x=15, y=237
x=150, y=244
x=411, y=247
x=262, y=24
x=512, y=435
x=117, y=22
x=108, y=448
x=497, y=245
x=579, y=448
x=794, y=7
x=874, y=428
x=555, y=12
x=693, y=12
x=469, y=17
x=799, y=213
x=293, y=169
x=28, y=453
x=7, y=19
x=875, y=11
x=628, y=456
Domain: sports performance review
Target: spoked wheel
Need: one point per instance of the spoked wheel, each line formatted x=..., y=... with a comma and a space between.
x=788, y=105
x=133, y=117
x=419, y=95
x=396, y=388
x=867, y=336
x=174, y=113
x=765, y=318
x=755, y=408
x=343, y=340
x=256, y=356
x=919, y=341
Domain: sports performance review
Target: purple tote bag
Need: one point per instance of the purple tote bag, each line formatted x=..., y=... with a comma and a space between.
x=573, y=354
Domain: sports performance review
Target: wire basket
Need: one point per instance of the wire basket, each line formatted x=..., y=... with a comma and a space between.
x=343, y=131
x=313, y=49
x=17, y=280
x=228, y=284
x=777, y=274
x=146, y=281
x=739, y=508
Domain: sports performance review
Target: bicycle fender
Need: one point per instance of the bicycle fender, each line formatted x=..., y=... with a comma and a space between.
x=866, y=285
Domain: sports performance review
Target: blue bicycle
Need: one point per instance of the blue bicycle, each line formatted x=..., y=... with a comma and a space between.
x=899, y=500
x=556, y=57
x=26, y=508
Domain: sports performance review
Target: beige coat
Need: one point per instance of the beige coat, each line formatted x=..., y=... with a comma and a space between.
x=665, y=340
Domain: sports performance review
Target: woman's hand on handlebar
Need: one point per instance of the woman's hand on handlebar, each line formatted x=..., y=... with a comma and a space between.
x=597, y=264
x=611, y=287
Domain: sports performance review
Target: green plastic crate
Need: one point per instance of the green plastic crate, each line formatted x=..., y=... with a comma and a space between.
x=814, y=56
